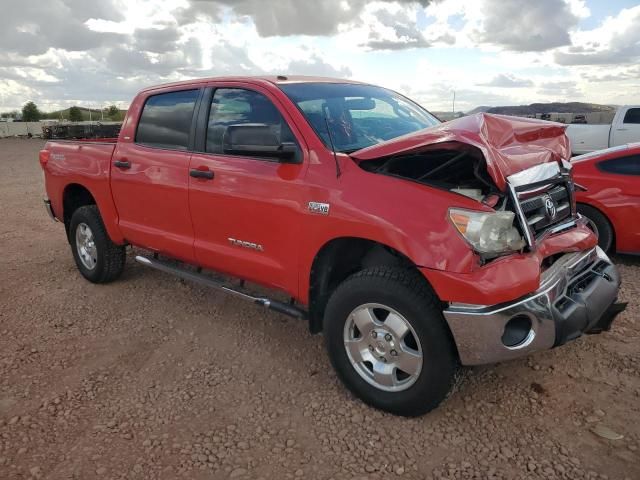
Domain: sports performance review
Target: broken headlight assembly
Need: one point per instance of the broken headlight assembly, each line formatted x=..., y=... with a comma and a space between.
x=489, y=233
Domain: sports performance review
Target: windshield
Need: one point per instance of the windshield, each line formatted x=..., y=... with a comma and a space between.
x=357, y=116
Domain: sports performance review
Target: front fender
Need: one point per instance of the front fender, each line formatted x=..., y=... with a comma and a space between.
x=409, y=217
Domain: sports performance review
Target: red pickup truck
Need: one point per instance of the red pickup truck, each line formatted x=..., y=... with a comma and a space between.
x=415, y=246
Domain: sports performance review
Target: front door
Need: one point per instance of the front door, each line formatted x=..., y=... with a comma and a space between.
x=150, y=176
x=246, y=214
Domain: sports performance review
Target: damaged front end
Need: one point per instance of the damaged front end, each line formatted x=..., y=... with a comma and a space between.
x=460, y=169
x=514, y=168
x=517, y=172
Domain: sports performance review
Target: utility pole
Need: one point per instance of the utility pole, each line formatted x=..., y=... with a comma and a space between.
x=453, y=105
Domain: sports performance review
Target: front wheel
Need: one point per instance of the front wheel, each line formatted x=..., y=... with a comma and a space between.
x=388, y=341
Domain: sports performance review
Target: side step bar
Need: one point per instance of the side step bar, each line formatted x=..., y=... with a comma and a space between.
x=207, y=281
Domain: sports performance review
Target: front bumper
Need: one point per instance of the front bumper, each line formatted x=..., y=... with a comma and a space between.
x=577, y=295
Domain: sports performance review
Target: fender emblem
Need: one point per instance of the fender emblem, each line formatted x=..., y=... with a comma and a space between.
x=319, y=208
x=242, y=243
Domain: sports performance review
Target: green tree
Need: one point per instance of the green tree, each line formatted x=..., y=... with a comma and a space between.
x=75, y=114
x=30, y=112
x=113, y=111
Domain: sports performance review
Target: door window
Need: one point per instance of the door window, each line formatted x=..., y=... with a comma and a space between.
x=623, y=166
x=166, y=120
x=632, y=116
x=245, y=123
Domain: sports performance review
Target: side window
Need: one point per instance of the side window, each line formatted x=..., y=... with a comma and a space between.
x=166, y=120
x=622, y=166
x=632, y=116
x=246, y=123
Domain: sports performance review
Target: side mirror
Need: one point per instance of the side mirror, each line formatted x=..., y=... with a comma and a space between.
x=258, y=140
x=288, y=152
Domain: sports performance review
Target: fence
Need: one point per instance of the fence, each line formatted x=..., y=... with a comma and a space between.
x=16, y=129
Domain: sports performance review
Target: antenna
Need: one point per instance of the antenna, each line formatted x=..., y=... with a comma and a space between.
x=333, y=148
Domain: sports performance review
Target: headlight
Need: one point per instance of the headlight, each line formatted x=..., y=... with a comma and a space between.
x=489, y=233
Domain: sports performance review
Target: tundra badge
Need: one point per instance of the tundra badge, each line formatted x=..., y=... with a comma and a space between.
x=319, y=208
x=242, y=243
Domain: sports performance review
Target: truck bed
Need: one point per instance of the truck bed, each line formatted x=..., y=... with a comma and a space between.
x=85, y=162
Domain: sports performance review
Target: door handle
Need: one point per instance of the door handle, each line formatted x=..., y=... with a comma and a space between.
x=621, y=129
x=206, y=174
x=122, y=163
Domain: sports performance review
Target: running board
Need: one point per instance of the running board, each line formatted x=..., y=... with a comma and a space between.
x=207, y=281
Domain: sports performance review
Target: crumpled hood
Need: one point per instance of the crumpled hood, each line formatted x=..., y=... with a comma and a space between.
x=509, y=144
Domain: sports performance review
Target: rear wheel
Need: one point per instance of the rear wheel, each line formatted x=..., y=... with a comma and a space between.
x=599, y=224
x=97, y=257
x=388, y=341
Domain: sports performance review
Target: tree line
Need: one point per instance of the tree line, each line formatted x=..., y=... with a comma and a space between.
x=31, y=113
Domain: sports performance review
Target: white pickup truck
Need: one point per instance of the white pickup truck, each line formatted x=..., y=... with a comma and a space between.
x=624, y=129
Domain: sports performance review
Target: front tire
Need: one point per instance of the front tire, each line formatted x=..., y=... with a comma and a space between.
x=388, y=341
x=97, y=257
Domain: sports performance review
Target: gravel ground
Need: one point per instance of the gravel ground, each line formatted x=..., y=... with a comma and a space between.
x=150, y=377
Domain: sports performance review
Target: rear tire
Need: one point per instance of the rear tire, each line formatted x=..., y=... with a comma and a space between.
x=404, y=362
x=599, y=224
x=97, y=257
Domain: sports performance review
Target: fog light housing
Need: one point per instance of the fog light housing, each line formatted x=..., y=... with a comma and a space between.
x=517, y=332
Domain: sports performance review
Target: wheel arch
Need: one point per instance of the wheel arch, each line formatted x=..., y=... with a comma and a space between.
x=341, y=257
x=74, y=196
x=601, y=211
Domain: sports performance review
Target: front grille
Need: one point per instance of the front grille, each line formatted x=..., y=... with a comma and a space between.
x=542, y=197
x=546, y=208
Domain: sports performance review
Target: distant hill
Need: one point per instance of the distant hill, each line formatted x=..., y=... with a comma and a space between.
x=87, y=114
x=480, y=109
x=553, y=107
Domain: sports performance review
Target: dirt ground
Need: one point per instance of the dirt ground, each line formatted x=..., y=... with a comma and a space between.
x=151, y=377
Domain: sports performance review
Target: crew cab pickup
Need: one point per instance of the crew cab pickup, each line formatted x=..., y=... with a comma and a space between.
x=413, y=245
x=625, y=128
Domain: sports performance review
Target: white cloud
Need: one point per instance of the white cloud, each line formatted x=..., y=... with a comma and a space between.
x=616, y=41
x=506, y=80
x=61, y=52
x=525, y=25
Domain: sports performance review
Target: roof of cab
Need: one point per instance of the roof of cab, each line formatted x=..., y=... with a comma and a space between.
x=268, y=79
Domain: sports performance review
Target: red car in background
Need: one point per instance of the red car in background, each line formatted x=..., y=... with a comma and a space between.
x=611, y=196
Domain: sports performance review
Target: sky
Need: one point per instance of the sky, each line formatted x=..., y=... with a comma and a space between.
x=60, y=53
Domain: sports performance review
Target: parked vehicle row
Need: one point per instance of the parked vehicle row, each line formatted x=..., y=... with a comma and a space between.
x=414, y=246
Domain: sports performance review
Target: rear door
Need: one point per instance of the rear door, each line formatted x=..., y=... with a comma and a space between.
x=246, y=214
x=150, y=175
x=629, y=130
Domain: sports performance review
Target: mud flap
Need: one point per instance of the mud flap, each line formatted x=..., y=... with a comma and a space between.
x=604, y=324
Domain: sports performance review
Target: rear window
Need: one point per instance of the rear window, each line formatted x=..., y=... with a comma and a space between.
x=622, y=166
x=632, y=116
x=166, y=120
